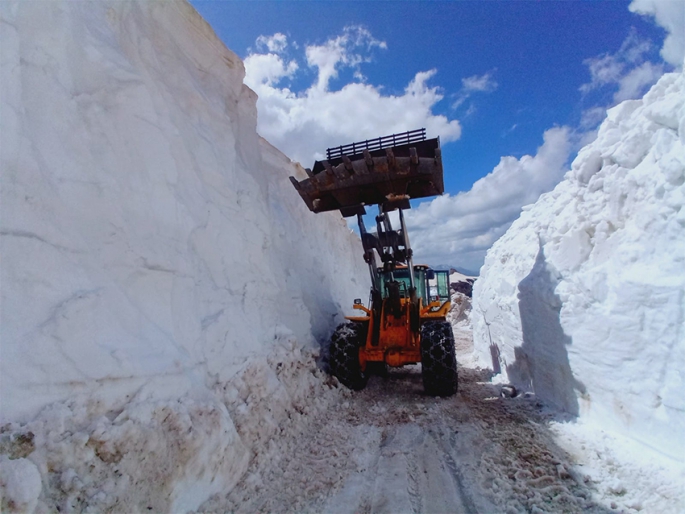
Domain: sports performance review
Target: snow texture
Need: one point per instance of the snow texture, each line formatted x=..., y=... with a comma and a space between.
x=583, y=299
x=20, y=481
x=163, y=285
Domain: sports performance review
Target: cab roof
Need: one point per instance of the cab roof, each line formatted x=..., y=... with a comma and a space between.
x=403, y=266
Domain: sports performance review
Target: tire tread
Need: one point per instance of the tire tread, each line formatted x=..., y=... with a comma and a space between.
x=438, y=359
x=344, y=355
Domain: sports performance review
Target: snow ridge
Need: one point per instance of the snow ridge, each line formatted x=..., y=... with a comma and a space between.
x=583, y=299
x=155, y=256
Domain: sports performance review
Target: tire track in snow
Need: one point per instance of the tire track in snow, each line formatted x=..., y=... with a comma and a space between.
x=391, y=449
x=413, y=485
x=455, y=473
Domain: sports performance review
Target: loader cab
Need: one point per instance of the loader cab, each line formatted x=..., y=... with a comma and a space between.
x=438, y=285
x=431, y=284
x=401, y=275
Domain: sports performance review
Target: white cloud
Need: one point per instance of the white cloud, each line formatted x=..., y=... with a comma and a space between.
x=592, y=117
x=634, y=83
x=669, y=14
x=470, y=111
x=304, y=123
x=606, y=69
x=627, y=71
x=474, y=84
x=341, y=50
x=459, y=229
x=267, y=69
x=483, y=83
x=613, y=69
x=276, y=43
x=510, y=130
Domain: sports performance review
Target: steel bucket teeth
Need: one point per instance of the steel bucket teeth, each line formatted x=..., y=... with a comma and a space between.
x=375, y=174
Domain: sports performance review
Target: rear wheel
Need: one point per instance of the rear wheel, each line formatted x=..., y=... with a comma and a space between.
x=438, y=359
x=344, y=356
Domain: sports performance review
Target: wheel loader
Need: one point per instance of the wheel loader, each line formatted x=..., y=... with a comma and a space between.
x=405, y=319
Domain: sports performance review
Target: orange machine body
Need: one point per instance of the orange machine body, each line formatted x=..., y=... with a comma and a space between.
x=396, y=341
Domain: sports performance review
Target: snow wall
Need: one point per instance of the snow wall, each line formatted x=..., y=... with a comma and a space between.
x=163, y=285
x=582, y=300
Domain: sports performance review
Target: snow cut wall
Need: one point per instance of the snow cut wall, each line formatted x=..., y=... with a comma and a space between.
x=153, y=248
x=583, y=298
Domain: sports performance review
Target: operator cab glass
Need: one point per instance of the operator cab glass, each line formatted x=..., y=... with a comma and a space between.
x=401, y=275
x=442, y=279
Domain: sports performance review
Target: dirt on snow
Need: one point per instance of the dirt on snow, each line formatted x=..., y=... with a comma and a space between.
x=391, y=449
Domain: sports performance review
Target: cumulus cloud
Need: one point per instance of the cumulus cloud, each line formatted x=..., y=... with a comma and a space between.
x=459, y=229
x=349, y=49
x=268, y=69
x=669, y=14
x=305, y=122
x=475, y=84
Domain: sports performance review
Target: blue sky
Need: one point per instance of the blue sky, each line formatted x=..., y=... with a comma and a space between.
x=512, y=88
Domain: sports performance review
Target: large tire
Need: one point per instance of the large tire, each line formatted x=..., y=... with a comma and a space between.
x=344, y=356
x=438, y=359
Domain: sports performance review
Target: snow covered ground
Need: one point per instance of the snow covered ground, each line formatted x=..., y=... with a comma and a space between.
x=390, y=449
x=163, y=286
x=583, y=299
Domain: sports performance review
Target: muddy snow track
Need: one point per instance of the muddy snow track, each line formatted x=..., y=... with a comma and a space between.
x=391, y=449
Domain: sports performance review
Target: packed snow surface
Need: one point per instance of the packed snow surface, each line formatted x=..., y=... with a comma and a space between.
x=583, y=299
x=390, y=448
x=163, y=285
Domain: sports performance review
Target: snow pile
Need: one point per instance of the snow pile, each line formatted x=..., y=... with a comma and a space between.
x=583, y=299
x=166, y=455
x=459, y=317
x=20, y=480
x=623, y=476
x=456, y=276
x=163, y=285
x=461, y=283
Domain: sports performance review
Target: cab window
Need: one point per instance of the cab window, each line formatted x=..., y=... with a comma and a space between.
x=442, y=279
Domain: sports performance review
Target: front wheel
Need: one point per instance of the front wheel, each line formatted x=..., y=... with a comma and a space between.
x=344, y=356
x=438, y=359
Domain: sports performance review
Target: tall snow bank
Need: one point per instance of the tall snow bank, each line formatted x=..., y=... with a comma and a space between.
x=154, y=254
x=583, y=298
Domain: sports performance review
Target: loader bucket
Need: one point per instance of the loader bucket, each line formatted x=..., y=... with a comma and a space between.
x=388, y=170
